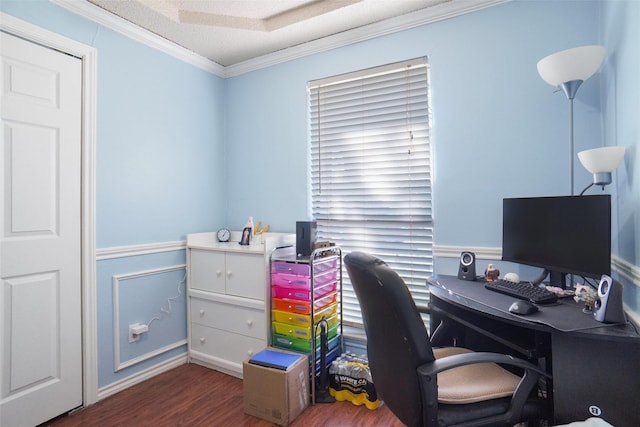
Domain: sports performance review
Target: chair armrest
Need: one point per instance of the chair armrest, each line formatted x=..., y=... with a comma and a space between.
x=427, y=375
x=456, y=360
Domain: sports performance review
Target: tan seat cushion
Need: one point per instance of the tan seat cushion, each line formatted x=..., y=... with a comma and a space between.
x=473, y=383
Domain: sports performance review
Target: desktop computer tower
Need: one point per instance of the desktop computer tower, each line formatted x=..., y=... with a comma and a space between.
x=306, y=234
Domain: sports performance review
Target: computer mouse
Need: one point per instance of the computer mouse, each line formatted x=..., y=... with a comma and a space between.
x=523, y=307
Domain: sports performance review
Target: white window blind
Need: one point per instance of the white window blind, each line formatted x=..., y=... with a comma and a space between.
x=371, y=170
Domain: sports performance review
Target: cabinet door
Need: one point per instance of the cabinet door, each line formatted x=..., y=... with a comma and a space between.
x=246, y=275
x=207, y=270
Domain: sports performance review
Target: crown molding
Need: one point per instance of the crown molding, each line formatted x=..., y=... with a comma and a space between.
x=107, y=19
x=442, y=11
x=429, y=15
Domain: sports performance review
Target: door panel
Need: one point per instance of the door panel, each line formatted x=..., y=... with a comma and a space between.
x=40, y=247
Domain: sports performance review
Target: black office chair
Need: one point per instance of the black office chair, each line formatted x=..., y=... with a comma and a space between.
x=434, y=387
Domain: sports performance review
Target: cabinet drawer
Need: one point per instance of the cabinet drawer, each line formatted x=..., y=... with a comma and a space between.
x=237, y=319
x=223, y=344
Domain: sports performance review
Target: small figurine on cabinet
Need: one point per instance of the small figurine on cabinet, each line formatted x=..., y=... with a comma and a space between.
x=491, y=273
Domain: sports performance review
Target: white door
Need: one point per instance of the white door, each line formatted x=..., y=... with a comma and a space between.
x=40, y=246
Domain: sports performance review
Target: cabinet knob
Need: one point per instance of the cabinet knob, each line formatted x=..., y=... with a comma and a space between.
x=249, y=322
x=202, y=340
x=201, y=312
x=250, y=353
x=219, y=273
x=229, y=274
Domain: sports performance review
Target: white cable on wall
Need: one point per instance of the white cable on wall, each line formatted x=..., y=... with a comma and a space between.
x=167, y=312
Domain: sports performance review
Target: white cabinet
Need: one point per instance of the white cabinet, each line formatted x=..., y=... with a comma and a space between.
x=227, y=289
x=228, y=273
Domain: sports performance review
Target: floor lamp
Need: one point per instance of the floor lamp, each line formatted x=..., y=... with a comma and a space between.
x=601, y=162
x=567, y=70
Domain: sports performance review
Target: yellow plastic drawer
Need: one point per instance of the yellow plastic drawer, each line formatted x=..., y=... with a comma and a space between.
x=303, y=320
x=299, y=332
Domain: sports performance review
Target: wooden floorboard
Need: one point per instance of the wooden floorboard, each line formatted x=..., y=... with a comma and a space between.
x=192, y=395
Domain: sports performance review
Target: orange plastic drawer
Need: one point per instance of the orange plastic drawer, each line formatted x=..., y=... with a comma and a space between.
x=303, y=320
x=303, y=307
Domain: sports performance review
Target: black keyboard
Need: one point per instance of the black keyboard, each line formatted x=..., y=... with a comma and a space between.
x=522, y=290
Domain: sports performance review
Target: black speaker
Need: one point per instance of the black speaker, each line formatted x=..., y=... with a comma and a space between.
x=306, y=233
x=467, y=269
x=608, y=307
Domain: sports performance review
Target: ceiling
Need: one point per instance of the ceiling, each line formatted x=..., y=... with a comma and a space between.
x=229, y=32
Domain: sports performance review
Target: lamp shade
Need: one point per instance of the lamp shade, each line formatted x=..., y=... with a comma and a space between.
x=578, y=63
x=603, y=159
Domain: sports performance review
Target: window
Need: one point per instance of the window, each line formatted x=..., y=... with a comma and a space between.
x=371, y=170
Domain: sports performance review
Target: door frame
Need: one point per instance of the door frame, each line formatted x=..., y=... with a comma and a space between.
x=88, y=55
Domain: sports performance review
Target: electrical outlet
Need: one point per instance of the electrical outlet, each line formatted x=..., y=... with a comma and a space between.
x=135, y=330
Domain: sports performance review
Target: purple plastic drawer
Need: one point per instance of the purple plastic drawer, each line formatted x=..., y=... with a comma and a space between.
x=302, y=294
x=303, y=282
x=290, y=268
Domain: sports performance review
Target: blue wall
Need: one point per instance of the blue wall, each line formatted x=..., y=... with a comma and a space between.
x=498, y=129
x=180, y=150
x=159, y=175
x=493, y=116
x=621, y=118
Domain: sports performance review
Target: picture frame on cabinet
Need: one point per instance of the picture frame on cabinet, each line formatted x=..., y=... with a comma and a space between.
x=246, y=236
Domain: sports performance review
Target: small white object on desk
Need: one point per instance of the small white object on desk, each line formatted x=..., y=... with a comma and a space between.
x=512, y=277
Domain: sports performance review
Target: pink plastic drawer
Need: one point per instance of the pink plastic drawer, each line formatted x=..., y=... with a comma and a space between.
x=303, y=307
x=303, y=320
x=302, y=294
x=290, y=280
x=322, y=279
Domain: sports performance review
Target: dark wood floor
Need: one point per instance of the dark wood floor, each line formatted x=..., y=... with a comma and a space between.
x=191, y=395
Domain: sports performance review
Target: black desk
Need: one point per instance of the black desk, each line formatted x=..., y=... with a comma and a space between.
x=595, y=367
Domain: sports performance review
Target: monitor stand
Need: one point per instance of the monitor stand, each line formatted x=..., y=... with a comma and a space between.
x=557, y=278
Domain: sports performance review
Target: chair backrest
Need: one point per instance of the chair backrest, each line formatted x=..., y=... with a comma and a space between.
x=397, y=339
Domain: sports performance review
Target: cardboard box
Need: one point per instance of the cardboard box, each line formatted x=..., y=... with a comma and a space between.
x=276, y=395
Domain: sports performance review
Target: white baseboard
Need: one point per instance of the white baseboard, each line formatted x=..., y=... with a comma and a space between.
x=139, y=377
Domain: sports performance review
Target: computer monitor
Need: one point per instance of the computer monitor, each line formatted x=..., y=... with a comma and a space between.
x=564, y=235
